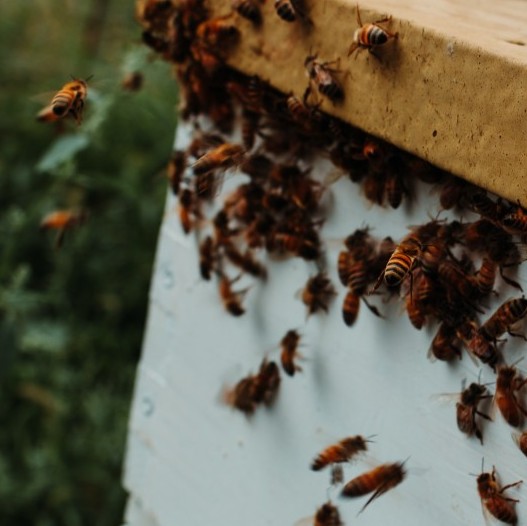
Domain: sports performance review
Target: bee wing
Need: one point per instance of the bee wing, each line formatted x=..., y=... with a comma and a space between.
x=516, y=438
x=444, y=398
x=332, y=177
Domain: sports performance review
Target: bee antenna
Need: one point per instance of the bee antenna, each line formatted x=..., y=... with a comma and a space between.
x=482, y=464
x=370, y=437
x=89, y=78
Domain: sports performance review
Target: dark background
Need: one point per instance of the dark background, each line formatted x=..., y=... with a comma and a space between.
x=71, y=320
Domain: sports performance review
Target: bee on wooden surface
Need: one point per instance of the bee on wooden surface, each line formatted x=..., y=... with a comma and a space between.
x=494, y=501
x=216, y=33
x=176, y=169
x=290, y=10
x=467, y=409
x=68, y=101
x=289, y=351
x=61, y=221
x=232, y=300
x=370, y=36
x=508, y=384
x=322, y=75
x=505, y=317
x=379, y=480
x=266, y=383
x=132, y=81
x=317, y=293
x=249, y=9
x=207, y=256
x=222, y=157
x=342, y=451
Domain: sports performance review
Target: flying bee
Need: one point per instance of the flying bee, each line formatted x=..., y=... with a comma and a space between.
x=241, y=395
x=508, y=384
x=245, y=261
x=132, y=81
x=505, y=317
x=494, y=501
x=322, y=75
x=467, y=409
x=289, y=346
x=68, y=101
x=370, y=36
x=249, y=9
x=342, y=451
x=61, y=221
x=520, y=439
x=337, y=475
x=317, y=293
x=379, y=480
x=231, y=299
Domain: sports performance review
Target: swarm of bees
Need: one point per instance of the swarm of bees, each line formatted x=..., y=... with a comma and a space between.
x=443, y=271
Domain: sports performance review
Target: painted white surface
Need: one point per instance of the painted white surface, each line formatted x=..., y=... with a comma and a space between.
x=193, y=461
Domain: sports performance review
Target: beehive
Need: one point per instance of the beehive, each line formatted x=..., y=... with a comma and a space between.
x=192, y=458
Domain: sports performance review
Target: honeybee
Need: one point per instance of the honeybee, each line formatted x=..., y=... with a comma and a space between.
x=520, y=439
x=266, y=383
x=515, y=221
x=290, y=10
x=401, y=262
x=231, y=299
x=337, y=475
x=350, y=307
x=317, y=293
x=322, y=76
x=467, y=409
x=176, y=169
x=289, y=346
x=133, y=81
x=395, y=188
x=508, y=383
x=62, y=220
x=222, y=157
x=370, y=36
x=216, y=33
x=444, y=345
x=207, y=256
x=492, y=498
x=327, y=515
x=68, y=101
x=379, y=480
x=506, y=316
x=342, y=451
x=482, y=204
x=486, y=276
x=453, y=193
x=187, y=206
x=249, y=9
x=245, y=261
x=241, y=395
x=484, y=349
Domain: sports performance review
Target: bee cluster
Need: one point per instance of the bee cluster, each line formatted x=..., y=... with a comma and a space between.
x=444, y=271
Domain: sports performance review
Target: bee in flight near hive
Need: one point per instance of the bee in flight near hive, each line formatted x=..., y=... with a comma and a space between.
x=61, y=221
x=379, y=480
x=370, y=36
x=317, y=293
x=68, y=101
x=493, y=500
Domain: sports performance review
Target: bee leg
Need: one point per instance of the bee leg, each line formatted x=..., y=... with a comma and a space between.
x=359, y=21
x=353, y=47
x=510, y=281
x=377, y=284
x=373, y=308
x=483, y=415
x=478, y=434
x=517, y=335
x=382, y=20
x=511, y=486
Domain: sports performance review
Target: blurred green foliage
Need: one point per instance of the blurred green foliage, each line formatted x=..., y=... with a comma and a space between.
x=71, y=320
